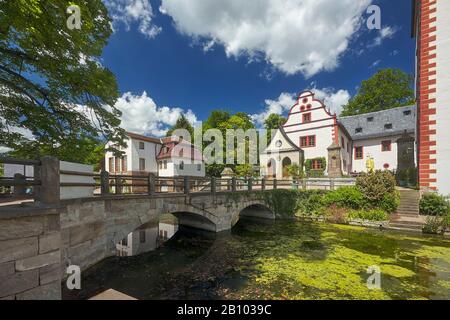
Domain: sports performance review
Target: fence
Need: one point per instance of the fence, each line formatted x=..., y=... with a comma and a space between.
x=52, y=177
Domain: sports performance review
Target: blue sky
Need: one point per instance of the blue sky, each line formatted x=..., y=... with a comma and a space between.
x=164, y=48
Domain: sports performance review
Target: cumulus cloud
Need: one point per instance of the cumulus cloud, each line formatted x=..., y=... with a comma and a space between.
x=129, y=12
x=140, y=114
x=279, y=106
x=295, y=36
x=334, y=100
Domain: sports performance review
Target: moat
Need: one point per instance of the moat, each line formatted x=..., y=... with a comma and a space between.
x=278, y=260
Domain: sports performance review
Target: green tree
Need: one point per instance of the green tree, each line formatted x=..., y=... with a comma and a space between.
x=273, y=122
x=51, y=81
x=387, y=89
x=182, y=123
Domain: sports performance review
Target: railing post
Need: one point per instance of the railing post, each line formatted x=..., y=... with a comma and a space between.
x=263, y=184
x=332, y=187
x=49, y=191
x=104, y=182
x=250, y=184
x=213, y=185
x=274, y=184
x=22, y=189
x=304, y=183
x=233, y=184
x=151, y=184
x=118, y=184
x=186, y=185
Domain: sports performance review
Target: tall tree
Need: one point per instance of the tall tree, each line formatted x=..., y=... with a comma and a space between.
x=52, y=85
x=387, y=89
x=273, y=122
x=182, y=123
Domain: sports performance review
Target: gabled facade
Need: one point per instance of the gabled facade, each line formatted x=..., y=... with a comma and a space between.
x=312, y=133
x=166, y=157
x=431, y=28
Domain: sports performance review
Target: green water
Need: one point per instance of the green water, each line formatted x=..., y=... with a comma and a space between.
x=280, y=260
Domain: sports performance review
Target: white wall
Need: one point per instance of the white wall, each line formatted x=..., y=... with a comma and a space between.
x=133, y=154
x=76, y=192
x=443, y=97
x=372, y=147
x=190, y=168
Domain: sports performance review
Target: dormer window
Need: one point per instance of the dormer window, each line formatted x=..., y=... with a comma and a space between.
x=370, y=119
x=388, y=126
x=358, y=130
x=407, y=112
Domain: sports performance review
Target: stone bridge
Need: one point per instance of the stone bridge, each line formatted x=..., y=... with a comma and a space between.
x=38, y=243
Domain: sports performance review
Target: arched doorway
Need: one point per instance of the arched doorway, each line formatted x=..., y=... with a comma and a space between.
x=286, y=163
x=271, y=169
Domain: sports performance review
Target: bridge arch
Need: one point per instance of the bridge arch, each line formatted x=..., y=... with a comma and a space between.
x=254, y=209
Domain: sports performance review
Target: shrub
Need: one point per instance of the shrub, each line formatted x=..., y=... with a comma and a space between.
x=375, y=185
x=346, y=197
x=336, y=214
x=311, y=203
x=371, y=215
x=390, y=202
x=433, y=204
x=282, y=202
x=435, y=225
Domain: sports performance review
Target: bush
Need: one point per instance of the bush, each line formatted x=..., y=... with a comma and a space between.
x=390, y=202
x=375, y=185
x=311, y=205
x=433, y=204
x=435, y=225
x=371, y=215
x=345, y=197
x=282, y=202
x=336, y=214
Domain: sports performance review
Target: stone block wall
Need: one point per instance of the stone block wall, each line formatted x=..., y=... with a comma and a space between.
x=30, y=257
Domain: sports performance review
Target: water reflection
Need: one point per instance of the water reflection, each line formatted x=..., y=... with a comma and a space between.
x=148, y=237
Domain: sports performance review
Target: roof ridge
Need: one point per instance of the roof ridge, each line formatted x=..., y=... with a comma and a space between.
x=377, y=112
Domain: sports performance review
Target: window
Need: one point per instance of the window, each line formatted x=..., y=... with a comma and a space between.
x=348, y=147
x=359, y=153
x=386, y=146
x=307, y=142
x=316, y=164
x=358, y=130
x=307, y=117
x=388, y=126
x=181, y=153
x=141, y=146
x=199, y=167
x=160, y=165
x=141, y=164
x=142, y=236
x=117, y=164
x=182, y=165
x=165, y=164
x=124, y=164
x=342, y=143
x=407, y=112
x=370, y=119
x=111, y=164
x=124, y=241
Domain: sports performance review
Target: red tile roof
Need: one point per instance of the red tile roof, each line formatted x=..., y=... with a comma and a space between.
x=144, y=138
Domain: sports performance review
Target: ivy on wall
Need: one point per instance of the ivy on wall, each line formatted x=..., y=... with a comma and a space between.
x=315, y=173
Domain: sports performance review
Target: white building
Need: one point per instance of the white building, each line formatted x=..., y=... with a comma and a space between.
x=165, y=157
x=312, y=134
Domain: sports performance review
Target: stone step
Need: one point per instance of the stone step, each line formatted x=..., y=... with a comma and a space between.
x=406, y=223
x=404, y=229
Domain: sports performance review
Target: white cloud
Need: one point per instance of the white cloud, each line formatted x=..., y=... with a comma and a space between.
x=141, y=115
x=334, y=100
x=384, y=33
x=279, y=106
x=295, y=36
x=375, y=63
x=133, y=11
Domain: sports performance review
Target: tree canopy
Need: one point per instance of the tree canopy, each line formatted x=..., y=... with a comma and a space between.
x=182, y=123
x=53, y=89
x=273, y=122
x=387, y=89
